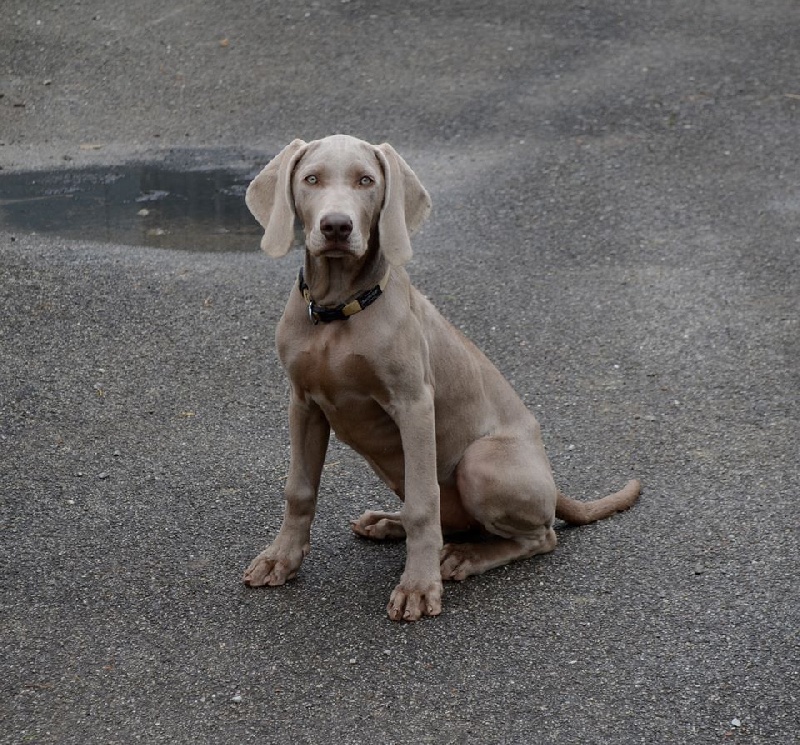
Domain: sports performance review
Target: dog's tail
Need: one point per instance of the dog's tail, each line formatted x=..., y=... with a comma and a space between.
x=583, y=513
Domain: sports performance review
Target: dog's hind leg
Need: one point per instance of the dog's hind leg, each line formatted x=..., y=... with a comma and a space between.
x=505, y=484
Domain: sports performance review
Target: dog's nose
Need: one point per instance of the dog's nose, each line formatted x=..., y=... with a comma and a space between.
x=336, y=226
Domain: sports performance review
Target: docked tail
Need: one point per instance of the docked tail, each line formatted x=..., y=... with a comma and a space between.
x=583, y=513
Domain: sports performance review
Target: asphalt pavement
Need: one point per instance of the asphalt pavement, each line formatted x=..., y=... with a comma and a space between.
x=616, y=222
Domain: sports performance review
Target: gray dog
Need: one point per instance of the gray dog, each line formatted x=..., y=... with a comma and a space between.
x=369, y=356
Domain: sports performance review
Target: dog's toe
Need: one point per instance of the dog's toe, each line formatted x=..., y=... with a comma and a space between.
x=455, y=563
x=379, y=526
x=412, y=602
x=271, y=568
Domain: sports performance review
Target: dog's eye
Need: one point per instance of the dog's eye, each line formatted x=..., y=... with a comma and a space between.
x=366, y=181
x=311, y=179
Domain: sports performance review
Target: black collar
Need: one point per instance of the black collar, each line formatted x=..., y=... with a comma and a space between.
x=343, y=311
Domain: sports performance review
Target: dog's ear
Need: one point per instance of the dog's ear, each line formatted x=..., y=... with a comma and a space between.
x=269, y=198
x=405, y=205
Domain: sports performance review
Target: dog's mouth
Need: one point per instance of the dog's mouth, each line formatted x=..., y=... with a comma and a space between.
x=333, y=246
x=335, y=249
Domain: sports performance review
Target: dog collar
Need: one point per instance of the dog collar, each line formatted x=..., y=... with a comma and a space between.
x=343, y=311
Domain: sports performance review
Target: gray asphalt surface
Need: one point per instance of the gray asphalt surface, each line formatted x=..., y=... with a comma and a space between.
x=616, y=223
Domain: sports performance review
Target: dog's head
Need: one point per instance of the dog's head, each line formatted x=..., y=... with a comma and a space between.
x=342, y=189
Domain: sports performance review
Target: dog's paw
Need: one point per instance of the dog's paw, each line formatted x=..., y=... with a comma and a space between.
x=379, y=526
x=412, y=600
x=458, y=561
x=273, y=567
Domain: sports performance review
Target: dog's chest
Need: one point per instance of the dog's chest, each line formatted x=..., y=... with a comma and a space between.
x=342, y=380
x=336, y=374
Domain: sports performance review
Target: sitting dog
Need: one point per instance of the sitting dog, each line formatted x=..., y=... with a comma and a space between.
x=367, y=355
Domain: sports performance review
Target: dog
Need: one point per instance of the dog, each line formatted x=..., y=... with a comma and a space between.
x=368, y=356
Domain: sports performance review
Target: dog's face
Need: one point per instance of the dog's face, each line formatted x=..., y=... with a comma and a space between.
x=345, y=191
x=338, y=188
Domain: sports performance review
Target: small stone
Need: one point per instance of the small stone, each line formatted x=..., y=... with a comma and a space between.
x=103, y=475
x=237, y=699
x=735, y=722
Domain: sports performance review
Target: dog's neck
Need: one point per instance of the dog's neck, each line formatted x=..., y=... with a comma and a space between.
x=332, y=281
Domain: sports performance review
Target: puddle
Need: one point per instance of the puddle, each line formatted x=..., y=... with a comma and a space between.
x=141, y=204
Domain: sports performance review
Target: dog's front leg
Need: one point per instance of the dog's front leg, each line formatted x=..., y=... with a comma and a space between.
x=280, y=561
x=420, y=589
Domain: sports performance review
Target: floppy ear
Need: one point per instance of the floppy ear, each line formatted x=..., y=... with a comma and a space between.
x=269, y=198
x=405, y=205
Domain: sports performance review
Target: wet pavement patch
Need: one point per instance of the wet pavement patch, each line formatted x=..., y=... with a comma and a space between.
x=143, y=204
